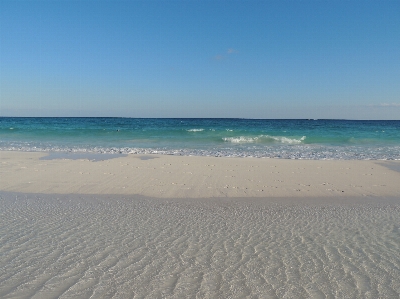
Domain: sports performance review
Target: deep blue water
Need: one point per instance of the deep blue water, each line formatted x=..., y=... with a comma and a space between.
x=292, y=139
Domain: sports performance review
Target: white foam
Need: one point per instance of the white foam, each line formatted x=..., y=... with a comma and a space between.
x=195, y=130
x=233, y=148
x=287, y=140
x=240, y=139
x=265, y=138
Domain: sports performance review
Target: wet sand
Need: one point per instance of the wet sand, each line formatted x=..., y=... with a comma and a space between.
x=63, y=237
x=96, y=246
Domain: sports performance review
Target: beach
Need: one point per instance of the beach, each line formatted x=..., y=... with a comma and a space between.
x=164, y=176
x=159, y=226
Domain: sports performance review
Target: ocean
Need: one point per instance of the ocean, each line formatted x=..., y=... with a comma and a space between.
x=317, y=139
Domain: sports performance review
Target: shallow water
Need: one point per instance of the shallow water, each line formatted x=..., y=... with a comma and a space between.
x=75, y=246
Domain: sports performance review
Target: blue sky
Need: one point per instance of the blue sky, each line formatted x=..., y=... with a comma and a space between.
x=251, y=59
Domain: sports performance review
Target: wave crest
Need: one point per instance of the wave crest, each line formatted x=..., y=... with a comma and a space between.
x=264, y=139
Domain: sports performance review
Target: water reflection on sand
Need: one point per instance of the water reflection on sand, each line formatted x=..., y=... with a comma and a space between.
x=74, y=246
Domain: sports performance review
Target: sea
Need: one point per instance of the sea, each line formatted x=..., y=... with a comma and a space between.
x=316, y=139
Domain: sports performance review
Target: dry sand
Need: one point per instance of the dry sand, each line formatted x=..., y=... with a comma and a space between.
x=198, y=177
x=198, y=227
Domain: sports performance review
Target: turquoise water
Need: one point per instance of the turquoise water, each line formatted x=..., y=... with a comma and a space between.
x=290, y=139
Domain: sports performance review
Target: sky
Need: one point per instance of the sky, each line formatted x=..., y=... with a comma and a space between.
x=246, y=59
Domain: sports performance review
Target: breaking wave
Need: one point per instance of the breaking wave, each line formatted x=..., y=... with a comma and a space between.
x=264, y=139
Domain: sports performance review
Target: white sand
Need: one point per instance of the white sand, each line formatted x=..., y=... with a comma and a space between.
x=198, y=177
x=215, y=228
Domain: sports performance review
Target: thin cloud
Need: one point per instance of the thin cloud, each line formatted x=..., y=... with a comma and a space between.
x=228, y=52
x=384, y=105
x=232, y=51
x=390, y=105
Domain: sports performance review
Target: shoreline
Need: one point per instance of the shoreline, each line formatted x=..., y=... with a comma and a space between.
x=164, y=176
x=227, y=202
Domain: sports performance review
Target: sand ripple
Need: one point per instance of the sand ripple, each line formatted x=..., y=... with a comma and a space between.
x=99, y=247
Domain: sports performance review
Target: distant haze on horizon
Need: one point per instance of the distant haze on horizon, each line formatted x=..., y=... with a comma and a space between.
x=194, y=59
